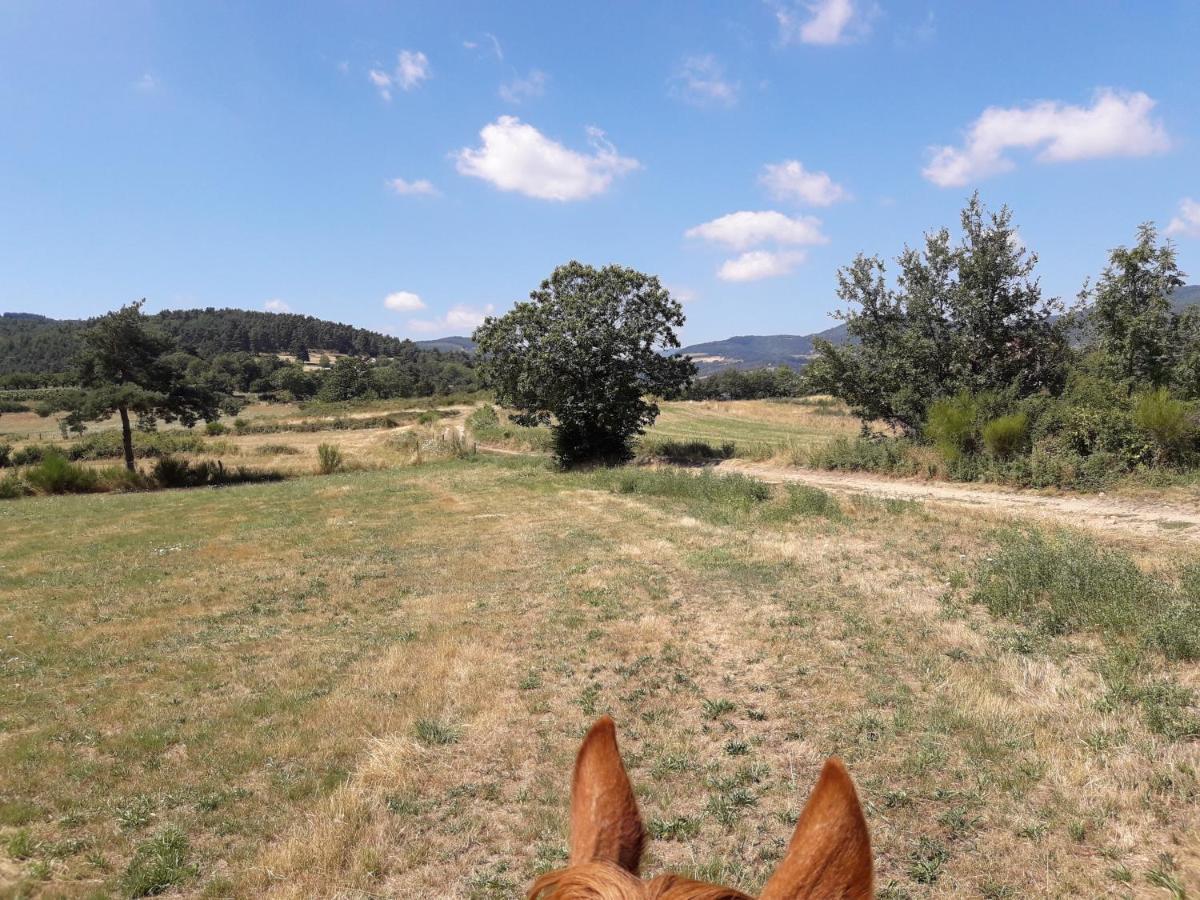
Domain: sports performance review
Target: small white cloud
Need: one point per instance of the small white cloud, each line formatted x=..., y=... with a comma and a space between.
x=343, y=66
x=412, y=67
x=744, y=229
x=517, y=157
x=1118, y=123
x=276, y=305
x=820, y=22
x=421, y=187
x=493, y=46
x=520, y=89
x=147, y=84
x=1187, y=222
x=683, y=294
x=457, y=319
x=404, y=301
x=700, y=80
x=789, y=180
x=754, y=265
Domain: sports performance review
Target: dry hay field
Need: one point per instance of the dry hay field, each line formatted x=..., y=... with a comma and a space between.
x=372, y=684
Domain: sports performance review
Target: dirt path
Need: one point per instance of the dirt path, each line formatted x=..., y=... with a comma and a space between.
x=1179, y=522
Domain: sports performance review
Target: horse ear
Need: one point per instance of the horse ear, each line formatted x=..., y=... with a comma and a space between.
x=830, y=853
x=605, y=823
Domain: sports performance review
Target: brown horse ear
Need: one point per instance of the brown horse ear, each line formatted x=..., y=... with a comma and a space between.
x=605, y=823
x=829, y=857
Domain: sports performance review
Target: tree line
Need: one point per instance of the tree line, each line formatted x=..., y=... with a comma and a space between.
x=963, y=353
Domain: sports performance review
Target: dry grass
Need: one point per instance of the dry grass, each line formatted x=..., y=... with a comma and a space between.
x=374, y=683
x=759, y=428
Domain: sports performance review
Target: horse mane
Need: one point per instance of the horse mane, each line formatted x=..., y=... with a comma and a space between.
x=605, y=881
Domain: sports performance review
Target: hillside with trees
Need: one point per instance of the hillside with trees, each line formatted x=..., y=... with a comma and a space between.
x=239, y=351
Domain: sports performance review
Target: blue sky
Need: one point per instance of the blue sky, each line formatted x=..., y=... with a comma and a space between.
x=410, y=166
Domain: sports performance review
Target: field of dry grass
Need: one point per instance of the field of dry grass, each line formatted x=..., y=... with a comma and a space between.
x=373, y=684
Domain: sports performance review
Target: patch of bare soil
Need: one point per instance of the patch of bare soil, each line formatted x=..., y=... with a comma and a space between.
x=1171, y=521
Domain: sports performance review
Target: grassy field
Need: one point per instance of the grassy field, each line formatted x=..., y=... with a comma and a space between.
x=758, y=428
x=373, y=684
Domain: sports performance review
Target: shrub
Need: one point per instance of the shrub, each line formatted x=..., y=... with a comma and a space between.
x=215, y=429
x=951, y=425
x=120, y=479
x=11, y=487
x=1166, y=420
x=687, y=451
x=178, y=473
x=158, y=864
x=1006, y=436
x=329, y=459
x=5, y=455
x=55, y=475
x=12, y=406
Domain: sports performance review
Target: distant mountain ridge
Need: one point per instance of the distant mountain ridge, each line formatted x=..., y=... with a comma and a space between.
x=757, y=351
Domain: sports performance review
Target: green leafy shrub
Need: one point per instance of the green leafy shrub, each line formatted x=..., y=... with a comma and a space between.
x=215, y=429
x=5, y=455
x=693, y=452
x=329, y=459
x=1006, y=436
x=951, y=425
x=175, y=473
x=1167, y=421
x=802, y=500
x=55, y=475
x=158, y=864
x=12, y=406
x=277, y=450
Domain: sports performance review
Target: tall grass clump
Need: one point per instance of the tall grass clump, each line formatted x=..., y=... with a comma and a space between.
x=721, y=498
x=695, y=452
x=329, y=459
x=1064, y=582
x=158, y=864
x=1167, y=421
x=55, y=475
x=951, y=425
x=804, y=501
x=863, y=454
x=1006, y=436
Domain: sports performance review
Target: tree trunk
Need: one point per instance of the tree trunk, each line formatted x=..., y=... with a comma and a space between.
x=126, y=437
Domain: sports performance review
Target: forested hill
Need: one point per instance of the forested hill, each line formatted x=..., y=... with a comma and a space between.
x=32, y=343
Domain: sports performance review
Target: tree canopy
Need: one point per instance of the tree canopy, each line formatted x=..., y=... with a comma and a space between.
x=966, y=317
x=586, y=353
x=123, y=367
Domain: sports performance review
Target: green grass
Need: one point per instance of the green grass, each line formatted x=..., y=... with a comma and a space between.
x=375, y=682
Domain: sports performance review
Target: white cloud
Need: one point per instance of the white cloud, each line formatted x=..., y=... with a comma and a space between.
x=492, y=40
x=756, y=264
x=789, y=180
x=1188, y=221
x=517, y=157
x=1118, y=123
x=531, y=86
x=682, y=293
x=403, y=301
x=419, y=187
x=819, y=22
x=147, y=84
x=744, y=229
x=412, y=67
x=276, y=305
x=700, y=80
x=457, y=319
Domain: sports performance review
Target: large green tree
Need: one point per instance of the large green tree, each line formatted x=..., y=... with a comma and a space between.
x=1131, y=312
x=124, y=368
x=966, y=316
x=587, y=352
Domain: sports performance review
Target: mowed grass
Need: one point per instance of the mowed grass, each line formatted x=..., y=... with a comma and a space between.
x=758, y=428
x=374, y=683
